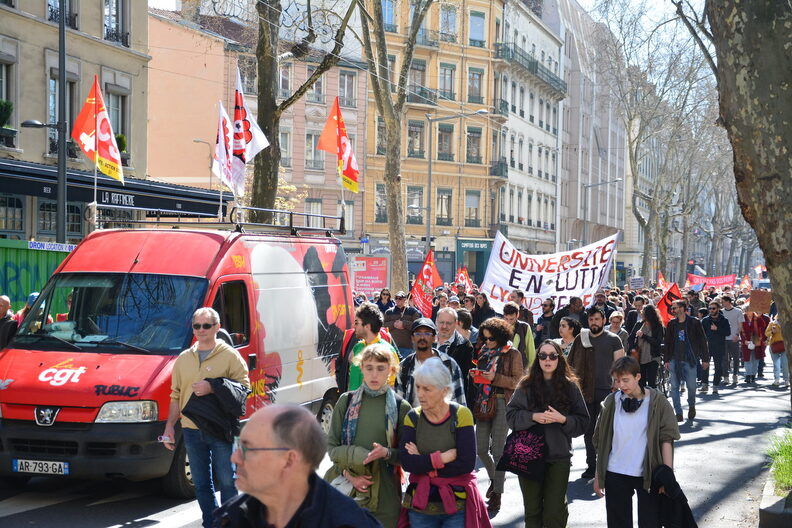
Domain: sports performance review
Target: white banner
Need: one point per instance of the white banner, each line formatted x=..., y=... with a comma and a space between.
x=557, y=276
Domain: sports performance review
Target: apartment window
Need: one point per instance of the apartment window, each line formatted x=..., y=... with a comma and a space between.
x=114, y=29
x=541, y=113
x=476, y=32
x=547, y=164
x=71, y=94
x=285, y=148
x=506, y=29
x=524, y=43
x=392, y=71
x=5, y=81
x=380, y=204
x=512, y=159
x=313, y=206
x=475, y=76
x=316, y=93
x=247, y=73
x=445, y=134
x=446, y=80
x=522, y=101
x=284, y=81
x=12, y=223
x=448, y=23
x=547, y=116
x=389, y=13
x=530, y=158
x=443, y=207
x=511, y=205
x=414, y=204
x=520, y=154
x=117, y=111
x=381, y=136
x=502, y=204
x=474, y=145
x=415, y=139
x=520, y=217
x=553, y=167
x=417, y=74
x=514, y=97
x=555, y=120
x=314, y=158
x=349, y=214
x=472, y=205
x=47, y=218
x=531, y=107
x=346, y=88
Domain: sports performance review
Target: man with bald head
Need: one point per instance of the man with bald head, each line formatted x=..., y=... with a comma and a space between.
x=276, y=457
x=8, y=326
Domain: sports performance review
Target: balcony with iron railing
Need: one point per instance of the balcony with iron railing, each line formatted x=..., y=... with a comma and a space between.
x=476, y=99
x=114, y=34
x=472, y=222
x=427, y=37
x=53, y=15
x=471, y=158
x=415, y=220
x=285, y=161
x=314, y=164
x=283, y=93
x=448, y=37
x=315, y=97
x=501, y=107
x=443, y=221
x=415, y=154
x=517, y=55
x=381, y=150
x=448, y=95
x=421, y=95
x=476, y=43
x=445, y=156
x=390, y=28
x=499, y=168
x=347, y=102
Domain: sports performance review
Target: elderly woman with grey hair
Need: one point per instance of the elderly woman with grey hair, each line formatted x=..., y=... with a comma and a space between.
x=438, y=449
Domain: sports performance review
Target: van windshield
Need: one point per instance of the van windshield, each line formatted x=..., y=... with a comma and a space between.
x=113, y=312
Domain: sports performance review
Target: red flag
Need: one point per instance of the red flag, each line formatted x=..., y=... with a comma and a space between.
x=661, y=282
x=462, y=277
x=425, y=283
x=664, y=304
x=92, y=131
x=334, y=139
x=746, y=283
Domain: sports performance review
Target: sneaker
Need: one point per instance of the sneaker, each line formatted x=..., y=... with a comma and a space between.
x=589, y=473
x=760, y=376
x=714, y=390
x=734, y=379
x=776, y=383
x=679, y=418
x=704, y=389
x=691, y=413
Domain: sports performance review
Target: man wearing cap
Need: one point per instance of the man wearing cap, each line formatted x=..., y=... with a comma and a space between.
x=398, y=321
x=601, y=301
x=454, y=303
x=423, y=333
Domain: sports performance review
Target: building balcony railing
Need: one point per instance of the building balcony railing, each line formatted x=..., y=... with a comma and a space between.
x=390, y=28
x=53, y=15
x=381, y=150
x=283, y=93
x=445, y=156
x=8, y=137
x=530, y=170
x=415, y=220
x=448, y=37
x=476, y=43
x=555, y=131
x=472, y=222
x=315, y=97
x=501, y=107
x=522, y=112
x=541, y=123
x=511, y=163
x=428, y=37
x=499, y=168
x=114, y=34
x=517, y=55
x=72, y=150
x=473, y=159
x=415, y=154
x=443, y=221
x=347, y=102
x=446, y=94
x=421, y=95
x=314, y=164
x=285, y=161
x=520, y=166
x=503, y=217
x=381, y=217
x=511, y=218
x=476, y=99
x=514, y=108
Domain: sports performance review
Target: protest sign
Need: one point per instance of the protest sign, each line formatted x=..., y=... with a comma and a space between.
x=761, y=301
x=557, y=276
x=636, y=283
x=718, y=282
x=369, y=274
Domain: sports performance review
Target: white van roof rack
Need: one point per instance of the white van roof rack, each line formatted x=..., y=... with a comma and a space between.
x=282, y=220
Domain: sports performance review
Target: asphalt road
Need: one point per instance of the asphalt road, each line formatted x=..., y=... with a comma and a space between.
x=720, y=463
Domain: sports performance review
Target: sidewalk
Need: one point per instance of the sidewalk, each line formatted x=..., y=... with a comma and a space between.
x=720, y=462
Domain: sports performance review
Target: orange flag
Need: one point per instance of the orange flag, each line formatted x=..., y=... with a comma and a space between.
x=661, y=282
x=746, y=283
x=92, y=131
x=334, y=139
x=664, y=304
x=425, y=283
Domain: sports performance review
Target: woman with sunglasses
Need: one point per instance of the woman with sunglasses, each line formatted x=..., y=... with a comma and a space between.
x=364, y=447
x=549, y=397
x=384, y=301
x=498, y=369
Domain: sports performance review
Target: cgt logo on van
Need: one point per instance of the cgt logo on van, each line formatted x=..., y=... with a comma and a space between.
x=61, y=373
x=45, y=416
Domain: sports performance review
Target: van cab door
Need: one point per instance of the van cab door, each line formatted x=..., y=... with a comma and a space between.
x=230, y=297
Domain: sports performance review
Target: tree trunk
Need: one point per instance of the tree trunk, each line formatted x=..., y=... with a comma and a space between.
x=754, y=73
x=662, y=243
x=683, y=256
x=646, y=260
x=729, y=266
x=393, y=196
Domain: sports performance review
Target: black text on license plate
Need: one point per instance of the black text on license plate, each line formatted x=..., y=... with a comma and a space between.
x=44, y=467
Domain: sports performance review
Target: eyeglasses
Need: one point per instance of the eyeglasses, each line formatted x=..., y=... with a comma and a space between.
x=205, y=326
x=551, y=356
x=238, y=446
x=491, y=339
x=423, y=334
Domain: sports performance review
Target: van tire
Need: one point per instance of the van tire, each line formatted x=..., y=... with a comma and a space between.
x=325, y=414
x=178, y=482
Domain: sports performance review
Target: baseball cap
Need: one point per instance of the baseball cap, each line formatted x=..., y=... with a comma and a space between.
x=425, y=322
x=453, y=298
x=400, y=295
x=32, y=298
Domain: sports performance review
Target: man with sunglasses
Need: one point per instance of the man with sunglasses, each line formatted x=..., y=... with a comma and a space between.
x=276, y=456
x=717, y=329
x=207, y=358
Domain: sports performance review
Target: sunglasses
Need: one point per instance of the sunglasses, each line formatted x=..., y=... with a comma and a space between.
x=491, y=339
x=552, y=356
x=205, y=326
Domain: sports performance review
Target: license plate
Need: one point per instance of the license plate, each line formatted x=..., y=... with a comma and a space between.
x=43, y=467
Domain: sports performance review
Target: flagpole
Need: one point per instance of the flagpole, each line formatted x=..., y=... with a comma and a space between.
x=343, y=202
x=96, y=156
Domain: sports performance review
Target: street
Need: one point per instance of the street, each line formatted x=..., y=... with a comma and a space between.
x=719, y=462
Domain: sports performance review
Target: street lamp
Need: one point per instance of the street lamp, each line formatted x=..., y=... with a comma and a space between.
x=196, y=140
x=586, y=187
x=570, y=242
x=431, y=120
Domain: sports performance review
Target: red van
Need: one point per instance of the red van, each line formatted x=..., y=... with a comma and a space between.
x=87, y=396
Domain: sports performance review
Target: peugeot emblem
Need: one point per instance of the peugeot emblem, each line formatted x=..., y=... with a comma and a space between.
x=45, y=416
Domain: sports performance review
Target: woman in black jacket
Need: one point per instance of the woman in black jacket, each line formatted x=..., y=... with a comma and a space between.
x=645, y=343
x=549, y=398
x=482, y=310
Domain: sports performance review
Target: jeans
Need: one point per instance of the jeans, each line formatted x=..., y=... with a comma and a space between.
x=443, y=520
x=618, y=501
x=688, y=372
x=210, y=458
x=780, y=366
x=545, y=503
x=491, y=438
x=751, y=365
x=717, y=359
x=733, y=355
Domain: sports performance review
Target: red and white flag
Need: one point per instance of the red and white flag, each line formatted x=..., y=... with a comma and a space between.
x=664, y=304
x=759, y=269
x=425, y=283
x=249, y=140
x=334, y=139
x=745, y=283
x=661, y=282
x=462, y=277
x=93, y=132
x=223, y=154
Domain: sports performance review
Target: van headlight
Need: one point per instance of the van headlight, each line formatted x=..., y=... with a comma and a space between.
x=128, y=412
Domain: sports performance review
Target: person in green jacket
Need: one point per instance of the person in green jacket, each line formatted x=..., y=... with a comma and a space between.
x=634, y=435
x=363, y=442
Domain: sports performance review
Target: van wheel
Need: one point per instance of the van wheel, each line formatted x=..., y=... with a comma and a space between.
x=178, y=482
x=325, y=414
